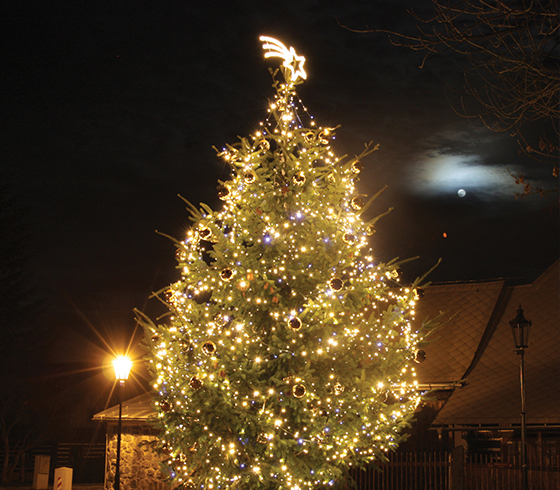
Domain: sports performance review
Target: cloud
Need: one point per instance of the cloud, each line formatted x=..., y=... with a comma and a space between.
x=441, y=173
x=460, y=158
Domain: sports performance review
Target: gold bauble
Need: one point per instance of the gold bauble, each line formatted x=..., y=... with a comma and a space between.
x=357, y=203
x=419, y=356
x=205, y=232
x=299, y=391
x=357, y=167
x=195, y=383
x=299, y=178
x=338, y=389
x=336, y=284
x=295, y=324
x=226, y=274
x=249, y=176
x=224, y=193
x=324, y=137
x=209, y=347
x=185, y=345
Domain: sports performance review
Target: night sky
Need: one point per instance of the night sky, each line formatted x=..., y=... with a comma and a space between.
x=111, y=109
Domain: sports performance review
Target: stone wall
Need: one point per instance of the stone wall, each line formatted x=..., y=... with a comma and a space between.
x=139, y=463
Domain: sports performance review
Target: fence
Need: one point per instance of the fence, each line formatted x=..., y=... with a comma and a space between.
x=86, y=459
x=432, y=471
x=407, y=471
x=483, y=474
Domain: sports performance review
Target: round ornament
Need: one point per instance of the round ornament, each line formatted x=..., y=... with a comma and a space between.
x=299, y=391
x=223, y=193
x=357, y=167
x=226, y=274
x=205, y=232
x=370, y=230
x=165, y=406
x=357, y=203
x=349, y=238
x=185, y=345
x=195, y=383
x=419, y=356
x=209, y=347
x=155, y=337
x=249, y=176
x=262, y=439
x=309, y=136
x=295, y=323
x=264, y=144
x=299, y=178
x=338, y=389
x=324, y=137
x=222, y=320
x=336, y=284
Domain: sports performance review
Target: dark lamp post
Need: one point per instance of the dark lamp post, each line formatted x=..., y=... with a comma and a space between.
x=122, y=367
x=520, y=329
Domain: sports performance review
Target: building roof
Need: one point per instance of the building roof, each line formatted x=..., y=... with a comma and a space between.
x=491, y=394
x=137, y=409
x=464, y=311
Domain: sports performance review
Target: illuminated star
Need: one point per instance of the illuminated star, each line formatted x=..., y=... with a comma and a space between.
x=291, y=59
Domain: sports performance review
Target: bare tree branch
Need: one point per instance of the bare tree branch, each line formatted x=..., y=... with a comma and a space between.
x=512, y=70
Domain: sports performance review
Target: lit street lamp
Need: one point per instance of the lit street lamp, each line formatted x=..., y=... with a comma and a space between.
x=520, y=329
x=122, y=367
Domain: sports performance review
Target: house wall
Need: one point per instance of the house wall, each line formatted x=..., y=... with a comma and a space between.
x=139, y=465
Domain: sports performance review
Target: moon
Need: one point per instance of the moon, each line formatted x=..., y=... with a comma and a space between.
x=461, y=193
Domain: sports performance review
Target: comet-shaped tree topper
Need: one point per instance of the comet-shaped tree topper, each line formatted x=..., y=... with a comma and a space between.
x=291, y=60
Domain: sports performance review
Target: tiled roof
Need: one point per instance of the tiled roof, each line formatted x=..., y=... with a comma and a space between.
x=492, y=393
x=467, y=309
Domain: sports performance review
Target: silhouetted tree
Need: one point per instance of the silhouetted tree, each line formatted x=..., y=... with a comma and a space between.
x=23, y=404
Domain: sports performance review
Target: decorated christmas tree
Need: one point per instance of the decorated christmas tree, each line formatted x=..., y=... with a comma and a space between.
x=287, y=355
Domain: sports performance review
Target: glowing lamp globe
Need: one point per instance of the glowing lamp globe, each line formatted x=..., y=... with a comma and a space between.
x=122, y=367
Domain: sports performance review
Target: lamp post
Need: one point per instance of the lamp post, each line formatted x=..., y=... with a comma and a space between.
x=122, y=367
x=520, y=329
